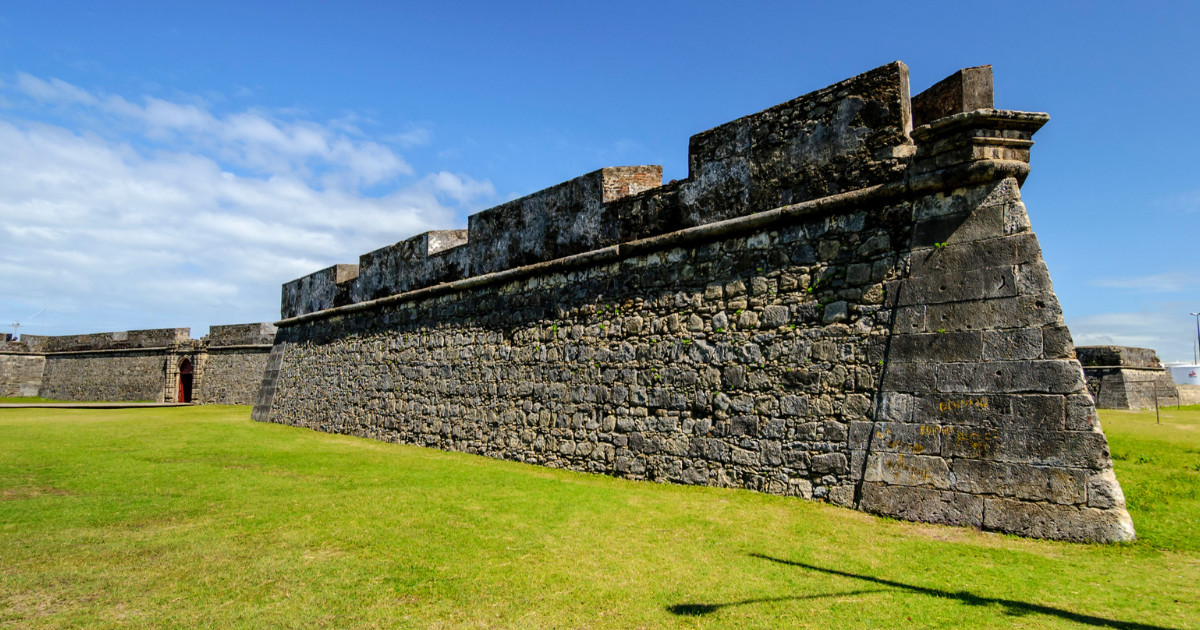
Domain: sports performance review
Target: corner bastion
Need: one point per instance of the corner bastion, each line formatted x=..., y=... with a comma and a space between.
x=833, y=305
x=1122, y=377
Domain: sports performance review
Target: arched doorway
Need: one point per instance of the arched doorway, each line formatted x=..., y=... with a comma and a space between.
x=185, y=381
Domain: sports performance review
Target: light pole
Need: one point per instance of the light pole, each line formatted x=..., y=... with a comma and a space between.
x=1197, y=353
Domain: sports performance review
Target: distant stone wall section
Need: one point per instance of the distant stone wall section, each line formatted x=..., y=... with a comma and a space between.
x=1121, y=377
x=123, y=340
x=257, y=334
x=139, y=365
x=21, y=374
x=116, y=376
x=833, y=305
x=232, y=376
x=1189, y=394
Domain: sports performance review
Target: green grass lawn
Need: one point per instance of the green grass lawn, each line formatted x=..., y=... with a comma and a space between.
x=198, y=517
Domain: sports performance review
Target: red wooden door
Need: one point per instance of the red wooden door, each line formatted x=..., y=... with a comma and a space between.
x=185, y=382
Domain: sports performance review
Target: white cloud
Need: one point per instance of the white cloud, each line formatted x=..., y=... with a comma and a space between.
x=414, y=136
x=250, y=139
x=1171, y=282
x=54, y=90
x=168, y=214
x=459, y=188
x=1166, y=327
x=1185, y=202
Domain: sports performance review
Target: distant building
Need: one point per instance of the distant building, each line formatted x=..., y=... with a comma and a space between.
x=1184, y=373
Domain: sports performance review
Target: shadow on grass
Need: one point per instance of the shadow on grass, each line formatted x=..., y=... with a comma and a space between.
x=697, y=610
x=1011, y=607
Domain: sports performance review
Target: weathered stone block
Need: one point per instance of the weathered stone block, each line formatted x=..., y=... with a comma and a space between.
x=991, y=211
x=1057, y=343
x=793, y=405
x=1081, y=413
x=938, y=347
x=569, y=218
x=958, y=286
x=909, y=377
x=774, y=317
x=829, y=463
x=423, y=260
x=1039, y=520
x=1012, y=312
x=836, y=312
x=966, y=90
x=1072, y=449
x=1016, y=344
x=929, y=505
x=998, y=252
x=1021, y=481
x=916, y=439
x=895, y=407
x=900, y=469
x=1103, y=491
x=1050, y=376
x=318, y=291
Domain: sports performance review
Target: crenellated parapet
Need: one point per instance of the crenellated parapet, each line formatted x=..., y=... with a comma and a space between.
x=570, y=218
x=231, y=335
x=121, y=340
x=320, y=290
x=425, y=259
x=848, y=136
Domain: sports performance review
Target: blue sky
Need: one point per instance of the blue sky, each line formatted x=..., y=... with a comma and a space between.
x=171, y=164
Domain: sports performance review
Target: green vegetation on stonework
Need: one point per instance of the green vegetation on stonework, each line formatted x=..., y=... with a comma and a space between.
x=198, y=517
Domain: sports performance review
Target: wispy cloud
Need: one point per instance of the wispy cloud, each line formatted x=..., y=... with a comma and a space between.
x=412, y=136
x=52, y=90
x=1185, y=202
x=1166, y=327
x=1171, y=282
x=252, y=139
x=164, y=207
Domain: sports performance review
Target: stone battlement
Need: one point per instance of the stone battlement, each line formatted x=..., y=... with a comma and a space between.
x=848, y=136
x=1118, y=356
x=120, y=340
x=257, y=334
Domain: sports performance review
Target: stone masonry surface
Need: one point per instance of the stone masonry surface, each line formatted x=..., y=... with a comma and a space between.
x=21, y=374
x=833, y=306
x=1121, y=377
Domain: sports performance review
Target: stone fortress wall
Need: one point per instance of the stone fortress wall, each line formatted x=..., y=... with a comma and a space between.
x=20, y=373
x=1121, y=377
x=139, y=365
x=834, y=305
